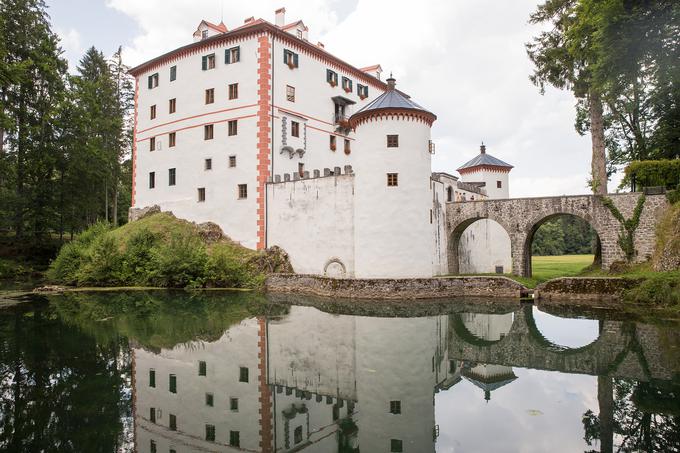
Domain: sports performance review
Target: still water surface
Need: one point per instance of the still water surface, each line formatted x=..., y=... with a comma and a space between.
x=177, y=372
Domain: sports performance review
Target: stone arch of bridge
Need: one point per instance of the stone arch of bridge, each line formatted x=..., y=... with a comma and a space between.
x=524, y=247
x=457, y=231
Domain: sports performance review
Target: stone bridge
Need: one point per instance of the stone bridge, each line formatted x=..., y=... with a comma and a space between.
x=623, y=349
x=521, y=217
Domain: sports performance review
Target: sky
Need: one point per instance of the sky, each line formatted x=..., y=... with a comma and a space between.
x=463, y=60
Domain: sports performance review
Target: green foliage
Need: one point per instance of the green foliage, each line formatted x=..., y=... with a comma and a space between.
x=566, y=235
x=661, y=291
x=667, y=251
x=673, y=196
x=180, y=262
x=626, y=238
x=650, y=173
x=228, y=268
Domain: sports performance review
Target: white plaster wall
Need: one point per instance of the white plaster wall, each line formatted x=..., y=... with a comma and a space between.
x=487, y=326
x=440, y=263
x=393, y=234
x=239, y=345
x=484, y=245
x=313, y=221
x=237, y=217
x=490, y=178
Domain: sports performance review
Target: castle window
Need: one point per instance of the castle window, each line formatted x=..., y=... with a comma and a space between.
x=209, y=399
x=233, y=404
x=202, y=368
x=430, y=215
x=172, y=139
x=347, y=146
x=233, y=127
x=232, y=55
x=290, y=93
x=499, y=185
x=449, y=194
x=172, y=105
x=332, y=77
x=294, y=128
x=152, y=180
x=152, y=144
x=153, y=112
x=290, y=58
x=208, y=62
x=207, y=166
x=333, y=142
x=152, y=378
x=208, y=130
x=299, y=34
x=210, y=433
x=243, y=374
x=173, y=73
x=347, y=84
x=392, y=179
x=297, y=435
x=172, y=383
x=395, y=407
x=392, y=141
x=336, y=412
x=152, y=446
x=232, y=161
x=204, y=34
x=152, y=415
x=243, y=193
x=153, y=81
x=233, y=91
x=396, y=446
x=234, y=438
x=362, y=91
x=209, y=95
x=173, y=422
x=172, y=176
x=301, y=169
x=201, y=194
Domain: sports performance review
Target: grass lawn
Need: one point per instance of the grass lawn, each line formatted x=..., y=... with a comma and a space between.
x=545, y=268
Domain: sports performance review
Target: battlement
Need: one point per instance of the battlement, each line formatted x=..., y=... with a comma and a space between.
x=315, y=174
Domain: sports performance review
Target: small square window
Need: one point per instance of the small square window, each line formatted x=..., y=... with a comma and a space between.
x=153, y=112
x=290, y=58
x=202, y=368
x=153, y=81
x=299, y=34
x=173, y=73
x=208, y=62
x=396, y=446
x=392, y=141
x=233, y=404
x=347, y=84
x=208, y=166
x=204, y=34
x=210, y=433
x=499, y=184
x=232, y=55
x=243, y=193
x=333, y=142
x=172, y=139
x=235, y=438
x=152, y=180
x=362, y=91
x=208, y=131
x=209, y=399
x=290, y=93
x=348, y=149
x=172, y=177
x=172, y=383
x=243, y=374
x=233, y=127
x=152, y=378
x=332, y=77
x=152, y=144
x=392, y=179
x=301, y=169
x=173, y=422
x=294, y=128
x=233, y=91
x=201, y=194
x=172, y=105
x=209, y=95
x=297, y=436
x=395, y=407
x=232, y=161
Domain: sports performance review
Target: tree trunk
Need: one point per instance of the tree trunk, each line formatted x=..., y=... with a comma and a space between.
x=605, y=399
x=115, y=206
x=598, y=162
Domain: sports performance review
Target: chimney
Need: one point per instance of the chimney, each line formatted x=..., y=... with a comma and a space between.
x=320, y=44
x=280, y=15
x=249, y=19
x=482, y=149
x=391, y=82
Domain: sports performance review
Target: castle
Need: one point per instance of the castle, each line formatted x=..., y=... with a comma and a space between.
x=281, y=143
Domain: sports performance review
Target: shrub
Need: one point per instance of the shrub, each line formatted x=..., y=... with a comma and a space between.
x=66, y=265
x=137, y=265
x=228, y=268
x=657, y=291
x=101, y=263
x=179, y=262
x=648, y=173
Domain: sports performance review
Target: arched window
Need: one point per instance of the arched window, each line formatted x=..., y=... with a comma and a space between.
x=449, y=194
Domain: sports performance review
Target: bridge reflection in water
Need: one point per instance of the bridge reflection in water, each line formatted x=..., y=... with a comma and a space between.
x=315, y=381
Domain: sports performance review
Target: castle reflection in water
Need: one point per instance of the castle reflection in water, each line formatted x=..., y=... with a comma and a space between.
x=308, y=381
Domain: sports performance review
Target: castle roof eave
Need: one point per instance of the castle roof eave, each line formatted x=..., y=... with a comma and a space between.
x=482, y=161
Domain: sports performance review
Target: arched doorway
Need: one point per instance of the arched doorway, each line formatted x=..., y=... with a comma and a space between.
x=480, y=246
x=561, y=245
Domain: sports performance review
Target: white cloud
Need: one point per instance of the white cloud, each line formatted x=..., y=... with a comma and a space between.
x=463, y=60
x=71, y=45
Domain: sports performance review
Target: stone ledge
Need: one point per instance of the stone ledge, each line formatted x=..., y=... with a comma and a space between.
x=585, y=289
x=406, y=288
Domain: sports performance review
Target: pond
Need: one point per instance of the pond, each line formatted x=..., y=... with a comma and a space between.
x=215, y=371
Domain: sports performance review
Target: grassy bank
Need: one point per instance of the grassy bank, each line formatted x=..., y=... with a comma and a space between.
x=162, y=251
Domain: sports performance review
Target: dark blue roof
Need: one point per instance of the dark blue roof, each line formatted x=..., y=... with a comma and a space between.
x=484, y=159
x=392, y=99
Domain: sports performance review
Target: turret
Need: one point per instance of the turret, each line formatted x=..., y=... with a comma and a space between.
x=393, y=192
x=493, y=172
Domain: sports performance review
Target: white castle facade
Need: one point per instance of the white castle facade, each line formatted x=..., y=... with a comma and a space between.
x=280, y=143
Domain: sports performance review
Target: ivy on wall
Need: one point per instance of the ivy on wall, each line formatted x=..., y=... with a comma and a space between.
x=627, y=235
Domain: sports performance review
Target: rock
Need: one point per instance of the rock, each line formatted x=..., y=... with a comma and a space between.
x=140, y=213
x=274, y=260
x=210, y=232
x=49, y=289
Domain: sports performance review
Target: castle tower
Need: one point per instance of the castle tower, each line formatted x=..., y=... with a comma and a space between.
x=489, y=170
x=393, y=191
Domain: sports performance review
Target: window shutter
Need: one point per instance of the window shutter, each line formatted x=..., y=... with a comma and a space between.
x=285, y=57
x=237, y=54
x=205, y=63
x=227, y=56
x=295, y=60
x=150, y=77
